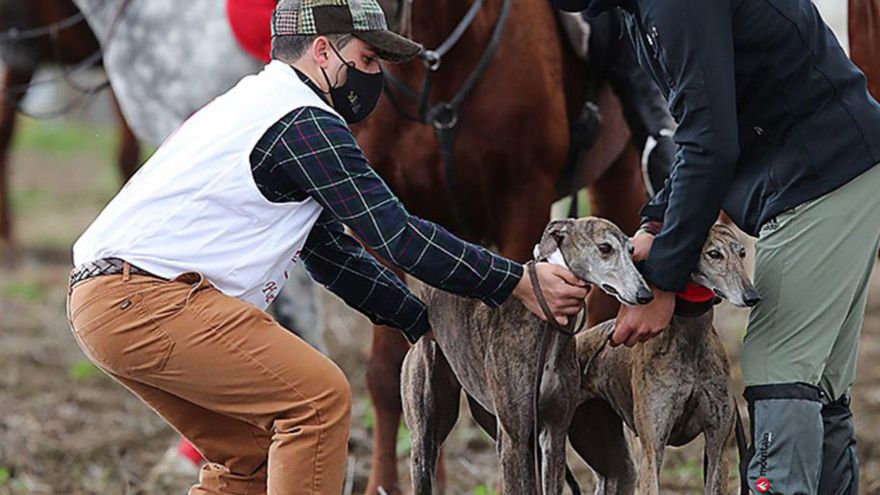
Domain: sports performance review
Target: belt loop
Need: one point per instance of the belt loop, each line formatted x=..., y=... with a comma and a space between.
x=126, y=271
x=201, y=282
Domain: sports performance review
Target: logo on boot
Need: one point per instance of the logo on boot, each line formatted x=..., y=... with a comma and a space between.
x=762, y=485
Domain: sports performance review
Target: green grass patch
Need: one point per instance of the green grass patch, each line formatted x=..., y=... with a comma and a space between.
x=484, y=490
x=404, y=441
x=691, y=468
x=82, y=370
x=584, y=209
x=5, y=475
x=367, y=420
x=24, y=289
x=59, y=136
x=27, y=199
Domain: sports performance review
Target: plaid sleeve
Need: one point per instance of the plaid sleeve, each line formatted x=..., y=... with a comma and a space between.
x=340, y=263
x=316, y=150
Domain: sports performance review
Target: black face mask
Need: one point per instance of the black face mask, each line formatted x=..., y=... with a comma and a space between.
x=355, y=99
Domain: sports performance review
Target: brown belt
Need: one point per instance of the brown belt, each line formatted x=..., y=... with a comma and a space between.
x=105, y=266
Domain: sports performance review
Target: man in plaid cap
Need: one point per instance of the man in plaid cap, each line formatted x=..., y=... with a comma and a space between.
x=172, y=279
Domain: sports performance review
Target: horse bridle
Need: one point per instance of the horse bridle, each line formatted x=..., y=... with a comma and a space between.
x=15, y=35
x=569, y=331
x=444, y=116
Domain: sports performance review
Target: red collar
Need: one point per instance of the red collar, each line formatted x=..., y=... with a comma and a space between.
x=695, y=293
x=694, y=300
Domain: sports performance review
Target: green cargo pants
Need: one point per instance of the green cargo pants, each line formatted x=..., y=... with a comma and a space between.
x=812, y=268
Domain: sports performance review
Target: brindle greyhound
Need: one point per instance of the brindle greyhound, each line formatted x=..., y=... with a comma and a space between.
x=492, y=355
x=668, y=390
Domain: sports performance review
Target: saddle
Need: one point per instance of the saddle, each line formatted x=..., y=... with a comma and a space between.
x=250, y=21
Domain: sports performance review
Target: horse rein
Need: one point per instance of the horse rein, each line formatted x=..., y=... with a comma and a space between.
x=444, y=116
x=14, y=35
x=570, y=331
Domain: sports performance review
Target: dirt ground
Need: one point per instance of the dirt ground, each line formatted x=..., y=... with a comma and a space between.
x=65, y=428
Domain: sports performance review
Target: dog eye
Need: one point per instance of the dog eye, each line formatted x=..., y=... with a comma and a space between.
x=742, y=253
x=605, y=248
x=715, y=254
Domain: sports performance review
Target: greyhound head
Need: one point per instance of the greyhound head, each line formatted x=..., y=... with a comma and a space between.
x=597, y=252
x=722, y=268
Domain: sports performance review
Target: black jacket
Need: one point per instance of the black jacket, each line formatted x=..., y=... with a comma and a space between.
x=771, y=113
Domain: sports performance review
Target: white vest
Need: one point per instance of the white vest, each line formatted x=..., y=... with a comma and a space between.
x=194, y=206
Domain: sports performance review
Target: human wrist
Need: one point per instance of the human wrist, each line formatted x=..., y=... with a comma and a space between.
x=649, y=226
x=522, y=285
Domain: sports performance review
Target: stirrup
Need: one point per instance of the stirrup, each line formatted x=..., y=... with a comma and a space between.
x=657, y=159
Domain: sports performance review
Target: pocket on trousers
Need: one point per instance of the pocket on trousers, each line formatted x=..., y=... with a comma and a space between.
x=122, y=337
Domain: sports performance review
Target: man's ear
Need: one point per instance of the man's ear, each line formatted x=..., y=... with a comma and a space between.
x=321, y=51
x=552, y=237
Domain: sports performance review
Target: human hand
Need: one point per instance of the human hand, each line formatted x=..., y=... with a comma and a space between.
x=563, y=292
x=641, y=323
x=642, y=242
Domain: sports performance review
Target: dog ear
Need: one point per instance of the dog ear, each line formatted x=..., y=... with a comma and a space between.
x=552, y=238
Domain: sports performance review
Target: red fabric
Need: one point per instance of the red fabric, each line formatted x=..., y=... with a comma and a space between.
x=695, y=293
x=186, y=449
x=251, y=22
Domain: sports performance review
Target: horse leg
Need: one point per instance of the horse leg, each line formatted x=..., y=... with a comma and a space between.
x=430, y=394
x=618, y=195
x=12, y=91
x=129, y=152
x=383, y=383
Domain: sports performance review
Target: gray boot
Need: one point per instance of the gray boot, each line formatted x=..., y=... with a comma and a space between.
x=786, y=452
x=840, y=465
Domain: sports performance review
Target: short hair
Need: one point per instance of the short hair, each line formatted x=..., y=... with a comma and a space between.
x=290, y=48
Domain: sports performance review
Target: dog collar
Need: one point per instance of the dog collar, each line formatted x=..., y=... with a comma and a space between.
x=695, y=300
x=690, y=309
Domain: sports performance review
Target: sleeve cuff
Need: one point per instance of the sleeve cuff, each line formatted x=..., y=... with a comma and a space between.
x=418, y=328
x=665, y=280
x=652, y=227
x=504, y=275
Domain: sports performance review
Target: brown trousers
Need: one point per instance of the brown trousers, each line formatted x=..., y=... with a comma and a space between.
x=270, y=413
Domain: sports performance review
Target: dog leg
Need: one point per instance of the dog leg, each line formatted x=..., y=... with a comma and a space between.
x=596, y=434
x=653, y=425
x=430, y=395
x=552, y=442
x=717, y=439
x=517, y=469
x=484, y=418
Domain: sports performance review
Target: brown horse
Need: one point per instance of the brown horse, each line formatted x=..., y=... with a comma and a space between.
x=72, y=44
x=864, y=40
x=512, y=141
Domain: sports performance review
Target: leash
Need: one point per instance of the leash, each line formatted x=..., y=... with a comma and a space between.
x=444, y=116
x=15, y=35
x=570, y=331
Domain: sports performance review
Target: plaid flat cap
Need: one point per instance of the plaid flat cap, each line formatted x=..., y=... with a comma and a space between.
x=363, y=19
